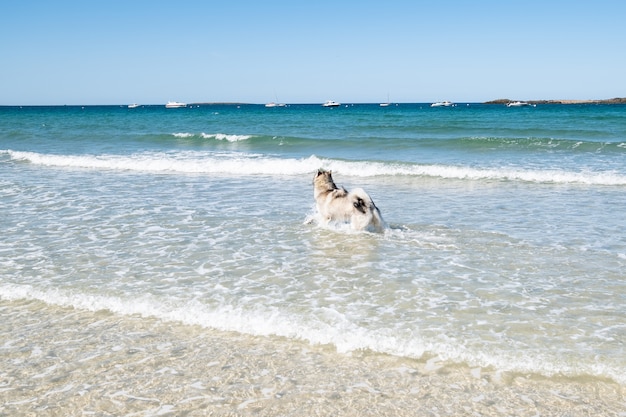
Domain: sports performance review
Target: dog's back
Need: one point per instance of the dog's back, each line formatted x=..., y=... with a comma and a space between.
x=371, y=217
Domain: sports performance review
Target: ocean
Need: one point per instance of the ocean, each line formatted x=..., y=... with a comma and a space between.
x=162, y=261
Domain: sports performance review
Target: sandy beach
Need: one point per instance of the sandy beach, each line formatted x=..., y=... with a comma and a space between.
x=62, y=362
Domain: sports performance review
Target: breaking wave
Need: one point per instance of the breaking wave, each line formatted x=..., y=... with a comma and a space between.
x=334, y=330
x=216, y=136
x=194, y=162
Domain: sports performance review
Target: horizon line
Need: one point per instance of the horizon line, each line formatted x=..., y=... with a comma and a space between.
x=615, y=100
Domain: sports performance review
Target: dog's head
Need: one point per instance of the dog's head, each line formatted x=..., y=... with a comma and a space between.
x=324, y=179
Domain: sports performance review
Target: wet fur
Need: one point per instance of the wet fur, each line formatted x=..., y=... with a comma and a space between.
x=338, y=204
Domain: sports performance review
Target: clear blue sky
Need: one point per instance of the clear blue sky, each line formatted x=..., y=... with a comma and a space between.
x=117, y=52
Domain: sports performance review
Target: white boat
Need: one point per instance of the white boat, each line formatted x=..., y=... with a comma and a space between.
x=175, y=105
x=273, y=104
x=517, y=104
x=133, y=106
x=442, y=104
x=385, y=104
x=331, y=103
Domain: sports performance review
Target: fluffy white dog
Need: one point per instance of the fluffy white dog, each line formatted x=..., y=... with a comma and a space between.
x=339, y=205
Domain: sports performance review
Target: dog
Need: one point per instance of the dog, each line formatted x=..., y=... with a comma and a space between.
x=336, y=204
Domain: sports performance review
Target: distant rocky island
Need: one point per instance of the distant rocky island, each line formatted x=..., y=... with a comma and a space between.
x=617, y=100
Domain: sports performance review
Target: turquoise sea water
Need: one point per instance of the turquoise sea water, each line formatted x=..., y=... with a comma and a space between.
x=506, y=246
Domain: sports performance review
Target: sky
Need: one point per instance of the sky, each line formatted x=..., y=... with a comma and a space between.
x=150, y=52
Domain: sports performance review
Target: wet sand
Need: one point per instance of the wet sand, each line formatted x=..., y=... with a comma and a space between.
x=62, y=362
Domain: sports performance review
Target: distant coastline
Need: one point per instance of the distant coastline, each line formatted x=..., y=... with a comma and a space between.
x=501, y=101
x=617, y=100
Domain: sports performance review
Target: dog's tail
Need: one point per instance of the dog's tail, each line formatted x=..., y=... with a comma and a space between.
x=378, y=222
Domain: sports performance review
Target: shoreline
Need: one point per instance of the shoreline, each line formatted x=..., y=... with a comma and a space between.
x=66, y=361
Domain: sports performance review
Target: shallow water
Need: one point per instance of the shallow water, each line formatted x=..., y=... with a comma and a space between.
x=501, y=272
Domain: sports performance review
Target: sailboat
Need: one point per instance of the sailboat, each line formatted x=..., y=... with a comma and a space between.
x=387, y=103
x=275, y=103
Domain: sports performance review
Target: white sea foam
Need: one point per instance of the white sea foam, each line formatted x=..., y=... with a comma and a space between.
x=222, y=136
x=216, y=136
x=333, y=328
x=252, y=164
